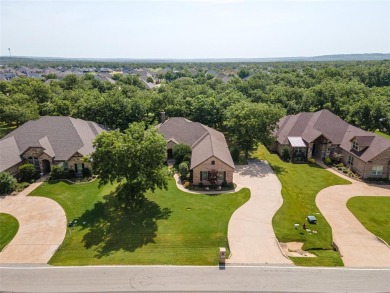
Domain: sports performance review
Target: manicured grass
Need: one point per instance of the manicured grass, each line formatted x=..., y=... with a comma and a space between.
x=325, y=258
x=301, y=183
x=9, y=226
x=382, y=134
x=5, y=129
x=373, y=212
x=168, y=227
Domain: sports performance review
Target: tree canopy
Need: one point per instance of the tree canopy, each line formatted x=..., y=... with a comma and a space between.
x=135, y=158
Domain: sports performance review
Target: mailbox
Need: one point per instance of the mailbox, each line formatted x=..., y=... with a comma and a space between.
x=222, y=255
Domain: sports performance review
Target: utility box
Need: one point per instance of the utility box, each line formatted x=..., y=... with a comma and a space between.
x=312, y=219
x=222, y=255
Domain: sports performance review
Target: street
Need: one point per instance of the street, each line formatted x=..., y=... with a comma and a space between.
x=188, y=278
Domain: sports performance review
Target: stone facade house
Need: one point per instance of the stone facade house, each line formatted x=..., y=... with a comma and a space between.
x=47, y=141
x=210, y=155
x=323, y=134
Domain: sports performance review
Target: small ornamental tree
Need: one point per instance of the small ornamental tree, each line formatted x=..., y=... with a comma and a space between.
x=180, y=152
x=134, y=158
x=183, y=169
x=7, y=183
x=27, y=173
x=235, y=153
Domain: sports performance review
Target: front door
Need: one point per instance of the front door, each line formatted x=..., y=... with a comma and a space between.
x=46, y=166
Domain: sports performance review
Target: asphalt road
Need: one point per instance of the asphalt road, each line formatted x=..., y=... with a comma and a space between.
x=172, y=278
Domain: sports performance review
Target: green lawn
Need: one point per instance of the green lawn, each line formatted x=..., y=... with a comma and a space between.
x=373, y=212
x=382, y=134
x=9, y=226
x=169, y=227
x=5, y=129
x=301, y=183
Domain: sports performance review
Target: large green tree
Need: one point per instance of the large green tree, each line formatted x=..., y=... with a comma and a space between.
x=135, y=158
x=251, y=123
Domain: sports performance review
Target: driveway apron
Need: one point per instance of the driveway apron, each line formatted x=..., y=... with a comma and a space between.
x=42, y=228
x=250, y=233
x=358, y=246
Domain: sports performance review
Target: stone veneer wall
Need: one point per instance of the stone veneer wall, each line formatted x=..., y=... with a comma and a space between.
x=206, y=166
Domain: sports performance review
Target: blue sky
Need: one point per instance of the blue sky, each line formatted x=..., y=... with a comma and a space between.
x=193, y=29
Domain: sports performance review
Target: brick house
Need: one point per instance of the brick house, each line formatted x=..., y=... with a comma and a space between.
x=49, y=140
x=210, y=154
x=322, y=134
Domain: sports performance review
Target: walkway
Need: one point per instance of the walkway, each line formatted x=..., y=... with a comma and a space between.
x=42, y=227
x=358, y=246
x=250, y=233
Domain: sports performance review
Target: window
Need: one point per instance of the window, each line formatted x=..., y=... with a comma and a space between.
x=65, y=166
x=212, y=162
x=35, y=162
x=204, y=175
x=221, y=175
x=377, y=170
x=355, y=145
x=350, y=161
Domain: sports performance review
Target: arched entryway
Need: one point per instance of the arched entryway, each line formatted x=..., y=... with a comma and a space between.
x=46, y=166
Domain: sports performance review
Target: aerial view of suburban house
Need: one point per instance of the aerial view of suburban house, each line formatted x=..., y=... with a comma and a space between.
x=322, y=134
x=210, y=153
x=47, y=141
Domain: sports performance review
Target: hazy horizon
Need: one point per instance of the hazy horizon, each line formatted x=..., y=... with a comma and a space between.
x=215, y=29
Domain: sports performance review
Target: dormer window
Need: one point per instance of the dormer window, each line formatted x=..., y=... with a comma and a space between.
x=355, y=145
x=212, y=162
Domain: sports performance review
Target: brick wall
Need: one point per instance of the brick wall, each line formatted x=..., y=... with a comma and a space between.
x=206, y=166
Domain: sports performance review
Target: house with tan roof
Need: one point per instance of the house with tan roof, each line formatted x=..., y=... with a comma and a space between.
x=47, y=141
x=210, y=153
x=322, y=134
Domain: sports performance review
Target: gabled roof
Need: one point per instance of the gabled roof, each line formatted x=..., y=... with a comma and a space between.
x=60, y=137
x=309, y=126
x=205, y=142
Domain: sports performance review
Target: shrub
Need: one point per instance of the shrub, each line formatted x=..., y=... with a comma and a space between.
x=285, y=155
x=183, y=169
x=181, y=151
x=27, y=173
x=86, y=172
x=340, y=165
x=224, y=183
x=57, y=172
x=7, y=183
x=235, y=153
x=21, y=186
x=200, y=184
x=71, y=174
x=231, y=185
x=328, y=161
x=312, y=161
x=186, y=185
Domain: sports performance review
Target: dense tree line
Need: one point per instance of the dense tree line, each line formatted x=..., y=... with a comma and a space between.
x=358, y=92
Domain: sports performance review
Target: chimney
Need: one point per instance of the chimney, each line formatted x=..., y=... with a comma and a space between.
x=162, y=117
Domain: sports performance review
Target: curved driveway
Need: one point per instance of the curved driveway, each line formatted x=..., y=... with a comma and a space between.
x=250, y=233
x=358, y=246
x=42, y=228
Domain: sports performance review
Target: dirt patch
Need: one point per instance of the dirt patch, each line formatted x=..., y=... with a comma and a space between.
x=294, y=249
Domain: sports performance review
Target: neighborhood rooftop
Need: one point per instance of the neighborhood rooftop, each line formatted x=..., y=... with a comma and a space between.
x=60, y=137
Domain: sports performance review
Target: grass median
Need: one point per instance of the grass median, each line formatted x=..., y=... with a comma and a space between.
x=300, y=185
x=9, y=226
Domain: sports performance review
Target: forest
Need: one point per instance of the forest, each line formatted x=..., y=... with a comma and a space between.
x=257, y=94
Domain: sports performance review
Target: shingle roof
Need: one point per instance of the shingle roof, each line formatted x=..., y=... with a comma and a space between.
x=61, y=137
x=310, y=126
x=205, y=142
x=9, y=153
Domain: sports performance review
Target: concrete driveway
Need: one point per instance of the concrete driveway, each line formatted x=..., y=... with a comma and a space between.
x=250, y=233
x=42, y=228
x=358, y=246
